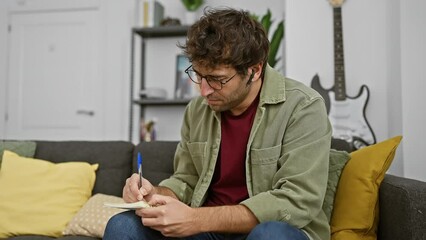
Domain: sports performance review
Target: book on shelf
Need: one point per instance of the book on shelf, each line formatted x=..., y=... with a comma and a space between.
x=152, y=13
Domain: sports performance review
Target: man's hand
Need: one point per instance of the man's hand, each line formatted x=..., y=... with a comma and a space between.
x=170, y=217
x=175, y=219
x=132, y=191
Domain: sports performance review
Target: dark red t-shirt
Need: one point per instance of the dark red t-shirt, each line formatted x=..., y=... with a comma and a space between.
x=228, y=186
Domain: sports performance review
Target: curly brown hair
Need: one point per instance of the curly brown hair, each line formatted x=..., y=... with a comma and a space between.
x=227, y=36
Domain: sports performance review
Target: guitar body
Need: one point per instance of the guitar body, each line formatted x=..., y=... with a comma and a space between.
x=347, y=117
x=315, y=84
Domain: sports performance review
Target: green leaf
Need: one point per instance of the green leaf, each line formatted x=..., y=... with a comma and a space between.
x=277, y=36
x=192, y=5
x=266, y=21
x=275, y=44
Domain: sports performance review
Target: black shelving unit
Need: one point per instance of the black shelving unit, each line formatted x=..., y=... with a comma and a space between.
x=144, y=34
x=164, y=31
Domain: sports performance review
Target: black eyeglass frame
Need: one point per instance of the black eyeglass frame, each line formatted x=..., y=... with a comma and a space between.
x=222, y=82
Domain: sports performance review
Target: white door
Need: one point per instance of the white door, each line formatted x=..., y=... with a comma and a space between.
x=54, y=88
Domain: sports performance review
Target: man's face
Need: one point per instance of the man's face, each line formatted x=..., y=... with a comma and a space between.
x=233, y=92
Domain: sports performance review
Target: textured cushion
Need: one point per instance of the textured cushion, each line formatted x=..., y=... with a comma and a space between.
x=337, y=161
x=91, y=220
x=39, y=197
x=355, y=214
x=22, y=148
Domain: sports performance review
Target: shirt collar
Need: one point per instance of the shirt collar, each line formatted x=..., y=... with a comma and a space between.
x=273, y=89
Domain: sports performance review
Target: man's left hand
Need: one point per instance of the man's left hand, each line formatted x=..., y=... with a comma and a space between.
x=170, y=217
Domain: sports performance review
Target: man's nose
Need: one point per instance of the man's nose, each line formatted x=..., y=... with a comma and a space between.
x=205, y=88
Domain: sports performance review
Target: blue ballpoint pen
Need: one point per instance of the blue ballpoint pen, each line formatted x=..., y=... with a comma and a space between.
x=140, y=168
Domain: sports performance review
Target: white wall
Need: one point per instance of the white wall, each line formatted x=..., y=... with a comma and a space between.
x=393, y=74
x=374, y=39
x=413, y=85
x=120, y=16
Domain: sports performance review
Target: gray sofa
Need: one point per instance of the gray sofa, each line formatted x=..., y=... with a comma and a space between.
x=402, y=200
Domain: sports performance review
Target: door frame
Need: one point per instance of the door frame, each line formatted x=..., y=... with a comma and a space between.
x=4, y=21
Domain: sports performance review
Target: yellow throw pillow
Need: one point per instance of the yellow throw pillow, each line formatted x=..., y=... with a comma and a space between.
x=356, y=210
x=92, y=219
x=40, y=197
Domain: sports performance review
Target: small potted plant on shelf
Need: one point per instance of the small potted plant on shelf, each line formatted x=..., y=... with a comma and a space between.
x=191, y=7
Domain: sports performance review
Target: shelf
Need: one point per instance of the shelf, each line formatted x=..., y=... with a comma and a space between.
x=143, y=34
x=164, y=102
x=163, y=31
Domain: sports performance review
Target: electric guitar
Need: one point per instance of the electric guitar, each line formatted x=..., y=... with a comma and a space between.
x=346, y=114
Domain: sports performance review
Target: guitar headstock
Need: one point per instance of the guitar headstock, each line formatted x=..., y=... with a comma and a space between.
x=336, y=3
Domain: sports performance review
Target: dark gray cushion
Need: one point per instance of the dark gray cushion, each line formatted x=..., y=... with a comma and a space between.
x=157, y=163
x=402, y=204
x=114, y=158
x=341, y=145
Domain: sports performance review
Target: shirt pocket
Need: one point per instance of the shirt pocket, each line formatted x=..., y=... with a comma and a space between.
x=197, y=150
x=264, y=166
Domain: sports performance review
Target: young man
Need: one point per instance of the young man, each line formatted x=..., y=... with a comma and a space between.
x=252, y=162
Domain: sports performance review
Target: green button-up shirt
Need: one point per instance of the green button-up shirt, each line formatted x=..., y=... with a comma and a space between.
x=286, y=158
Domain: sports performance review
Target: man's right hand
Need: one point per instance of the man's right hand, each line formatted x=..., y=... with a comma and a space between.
x=132, y=192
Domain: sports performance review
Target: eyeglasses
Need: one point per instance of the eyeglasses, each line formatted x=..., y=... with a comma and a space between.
x=215, y=82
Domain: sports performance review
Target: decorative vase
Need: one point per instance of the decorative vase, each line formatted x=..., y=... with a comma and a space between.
x=190, y=17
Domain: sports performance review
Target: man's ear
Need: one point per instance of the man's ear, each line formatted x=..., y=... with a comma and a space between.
x=256, y=71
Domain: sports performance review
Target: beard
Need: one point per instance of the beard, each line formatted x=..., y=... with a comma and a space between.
x=220, y=103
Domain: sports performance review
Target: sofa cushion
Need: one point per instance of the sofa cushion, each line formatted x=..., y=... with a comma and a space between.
x=22, y=148
x=355, y=214
x=158, y=158
x=114, y=158
x=40, y=197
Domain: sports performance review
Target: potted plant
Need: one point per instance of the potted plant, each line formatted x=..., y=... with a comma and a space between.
x=277, y=36
x=191, y=6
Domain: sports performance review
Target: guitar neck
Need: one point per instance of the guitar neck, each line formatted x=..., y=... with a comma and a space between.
x=339, y=60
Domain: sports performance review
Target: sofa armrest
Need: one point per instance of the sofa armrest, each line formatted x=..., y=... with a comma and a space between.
x=402, y=209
